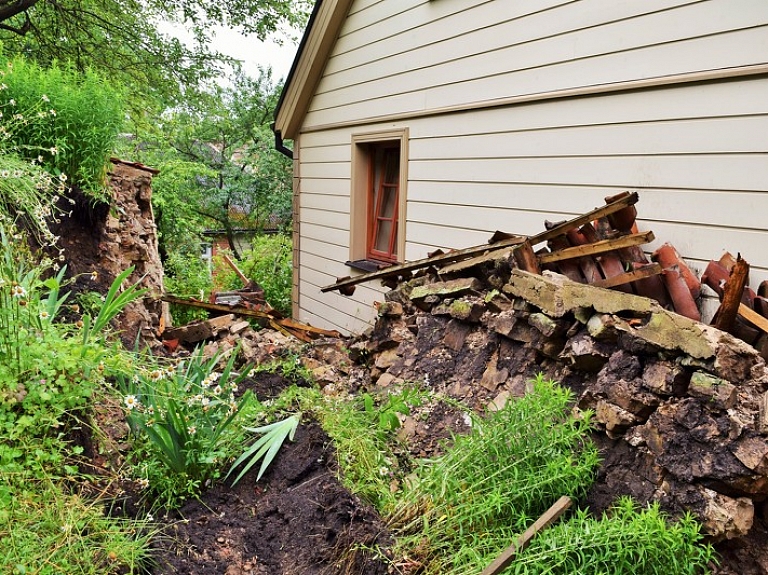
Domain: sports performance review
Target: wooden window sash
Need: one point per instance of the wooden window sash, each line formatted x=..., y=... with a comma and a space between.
x=390, y=156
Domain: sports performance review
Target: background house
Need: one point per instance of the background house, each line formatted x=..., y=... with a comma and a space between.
x=430, y=124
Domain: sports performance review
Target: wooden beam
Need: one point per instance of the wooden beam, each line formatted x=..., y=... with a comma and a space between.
x=526, y=259
x=753, y=317
x=638, y=274
x=408, y=267
x=471, y=252
x=550, y=516
x=221, y=307
x=734, y=288
x=596, y=248
x=579, y=221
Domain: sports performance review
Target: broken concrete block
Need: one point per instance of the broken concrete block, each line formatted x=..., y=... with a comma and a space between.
x=492, y=376
x=602, y=327
x=503, y=323
x=726, y=517
x=753, y=453
x=546, y=325
x=390, y=309
x=386, y=358
x=451, y=288
x=715, y=389
x=585, y=354
x=497, y=302
x=456, y=333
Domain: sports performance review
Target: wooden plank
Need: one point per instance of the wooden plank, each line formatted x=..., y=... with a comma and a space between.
x=221, y=307
x=753, y=317
x=579, y=221
x=401, y=269
x=625, y=278
x=459, y=255
x=596, y=248
x=734, y=288
x=550, y=516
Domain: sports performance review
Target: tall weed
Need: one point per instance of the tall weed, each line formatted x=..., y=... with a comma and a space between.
x=64, y=120
x=494, y=481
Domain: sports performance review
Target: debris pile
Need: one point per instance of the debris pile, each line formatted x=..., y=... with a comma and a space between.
x=602, y=248
x=681, y=408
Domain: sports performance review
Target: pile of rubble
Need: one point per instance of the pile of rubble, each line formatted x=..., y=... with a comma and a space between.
x=681, y=407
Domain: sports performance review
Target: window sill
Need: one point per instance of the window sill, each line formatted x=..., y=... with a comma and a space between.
x=367, y=265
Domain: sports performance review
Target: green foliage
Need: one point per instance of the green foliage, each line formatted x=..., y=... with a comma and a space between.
x=187, y=275
x=218, y=167
x=127, y=41
x=494, y=481
x=394, y=405
x=265, y=447
x=625, y=541
x=269, y=262
x=47, y=530
x=66, y=121
x=184, y=418
x=365, y=450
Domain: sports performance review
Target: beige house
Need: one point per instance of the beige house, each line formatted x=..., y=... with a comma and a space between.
x=425, y=124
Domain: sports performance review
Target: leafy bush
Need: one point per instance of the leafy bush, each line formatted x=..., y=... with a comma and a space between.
x=626, y=540
x=48, y=371
x=184, y=417
x=62, y=119
x=269, y=262
x=186, y=276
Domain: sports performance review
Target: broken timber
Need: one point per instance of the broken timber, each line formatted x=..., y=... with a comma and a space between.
x=273, y=318
x=458, y=255
x=550, y=516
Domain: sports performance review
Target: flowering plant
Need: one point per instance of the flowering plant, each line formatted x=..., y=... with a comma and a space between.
x=185, y=412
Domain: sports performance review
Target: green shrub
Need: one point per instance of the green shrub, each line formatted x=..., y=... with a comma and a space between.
x=185, y=419
x=64, y=120
x=269, y=262
x=494, y=481
x=187, y=276
x=625, y=541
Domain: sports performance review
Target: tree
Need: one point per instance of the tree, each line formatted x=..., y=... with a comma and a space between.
x=217, y=164
x=121, y=38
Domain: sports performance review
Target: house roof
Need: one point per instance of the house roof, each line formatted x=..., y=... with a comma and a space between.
x=307, y=68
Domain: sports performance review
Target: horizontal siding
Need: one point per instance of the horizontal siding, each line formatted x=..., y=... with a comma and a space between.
x=696, y=153
x=571, y=33
x=501, y=49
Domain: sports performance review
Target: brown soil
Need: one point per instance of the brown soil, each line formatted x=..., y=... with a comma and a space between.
x=298, y=519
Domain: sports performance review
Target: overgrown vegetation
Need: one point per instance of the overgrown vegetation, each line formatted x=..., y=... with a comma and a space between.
x=50, y=375
x=186, y=421
x=65, y=121
x=268, y=262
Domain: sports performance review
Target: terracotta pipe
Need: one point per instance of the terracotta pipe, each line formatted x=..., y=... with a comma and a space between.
x=682, y=299
x=625, y=217
x=668, y=257
x=715, y=277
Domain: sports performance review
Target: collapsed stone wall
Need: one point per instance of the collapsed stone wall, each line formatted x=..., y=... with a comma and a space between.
x=679, y=406
x=108, y=239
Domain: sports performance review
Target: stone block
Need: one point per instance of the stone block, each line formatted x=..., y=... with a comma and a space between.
x=451, y=288
x=665, y=378
x=615, y=419
x=707, y=386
